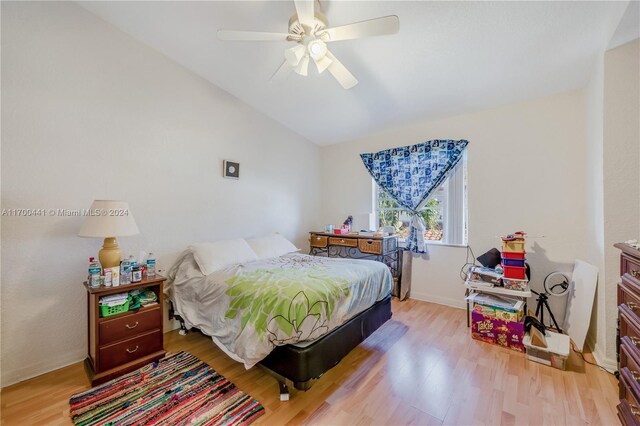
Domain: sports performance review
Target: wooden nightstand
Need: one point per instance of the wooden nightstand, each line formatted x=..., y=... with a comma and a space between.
x=123, y=342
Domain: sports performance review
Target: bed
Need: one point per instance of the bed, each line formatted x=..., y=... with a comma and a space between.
x=297, y=315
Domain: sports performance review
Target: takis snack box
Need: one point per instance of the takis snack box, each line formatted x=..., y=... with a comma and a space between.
x=508, y=334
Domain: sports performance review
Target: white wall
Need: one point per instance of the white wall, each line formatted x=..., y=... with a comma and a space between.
x=526, y=168
x=621, y=168
x=594, y=193
x=89, y=113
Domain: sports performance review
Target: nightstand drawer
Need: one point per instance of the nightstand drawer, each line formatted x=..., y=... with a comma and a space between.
x=129, y=350
x=370, y=246
x=318, y=240
x=129, y=326
x=346, y=242
x=630, y=265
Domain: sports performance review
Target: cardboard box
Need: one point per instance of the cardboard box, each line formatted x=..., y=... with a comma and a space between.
x=508, y=334
x=555, y=354
x=495, y=312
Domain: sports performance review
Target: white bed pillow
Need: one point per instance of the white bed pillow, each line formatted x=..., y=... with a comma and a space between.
x=272, y=245
x=213, y=256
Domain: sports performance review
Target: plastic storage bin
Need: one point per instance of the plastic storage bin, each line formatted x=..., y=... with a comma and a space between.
x=513, y=245
x=556, y=352
x=514, y=273
x=513, y=262
x=513, y=255
x=107, y=311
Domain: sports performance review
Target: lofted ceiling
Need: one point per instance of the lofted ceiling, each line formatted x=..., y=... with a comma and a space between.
x=448, y=58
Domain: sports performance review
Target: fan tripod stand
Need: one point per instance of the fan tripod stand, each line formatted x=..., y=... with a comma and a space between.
x=542, y=304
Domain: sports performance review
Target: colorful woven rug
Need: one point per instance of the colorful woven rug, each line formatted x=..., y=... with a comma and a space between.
x=178, y=389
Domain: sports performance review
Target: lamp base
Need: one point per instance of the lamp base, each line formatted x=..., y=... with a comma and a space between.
x=110, y=254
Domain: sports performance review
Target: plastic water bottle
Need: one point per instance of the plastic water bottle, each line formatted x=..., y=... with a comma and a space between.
x=94, y=272
x=125, y=275
x=132, y=263
x=151, y=266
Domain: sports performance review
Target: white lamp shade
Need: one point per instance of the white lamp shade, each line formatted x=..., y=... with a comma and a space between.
x=108, y=218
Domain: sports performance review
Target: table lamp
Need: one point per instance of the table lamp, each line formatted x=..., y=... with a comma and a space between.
x=109, y=219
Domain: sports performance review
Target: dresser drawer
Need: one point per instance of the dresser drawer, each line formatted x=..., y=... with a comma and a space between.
x=345, y=242
x=318, y=240
x=129, y=326
x=629, y=356
x=129, y=350
x=630, y=265
x=370, y=246
x=629, y=402
x=629, y=325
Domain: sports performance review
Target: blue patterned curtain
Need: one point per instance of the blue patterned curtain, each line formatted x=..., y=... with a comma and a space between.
x=410, y=174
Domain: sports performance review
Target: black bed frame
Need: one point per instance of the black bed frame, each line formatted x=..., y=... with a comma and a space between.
x=304, y=365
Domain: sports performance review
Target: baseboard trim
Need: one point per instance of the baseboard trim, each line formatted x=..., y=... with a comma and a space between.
x=600, y=357
x=18, y=375
x=454, y=303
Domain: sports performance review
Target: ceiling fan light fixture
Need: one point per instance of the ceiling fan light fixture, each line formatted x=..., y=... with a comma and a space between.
x=317, y=49
x=303, y=66
x=295, y=54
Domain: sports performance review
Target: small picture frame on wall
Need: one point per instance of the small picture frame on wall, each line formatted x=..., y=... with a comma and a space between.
x=230, y=169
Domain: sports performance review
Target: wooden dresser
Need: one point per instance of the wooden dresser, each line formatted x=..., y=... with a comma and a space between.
x=123, y=342
x=628, y=343
x=354, y=246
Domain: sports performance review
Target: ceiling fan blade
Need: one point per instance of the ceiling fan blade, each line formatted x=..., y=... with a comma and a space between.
x=304, y=9
x=373, y=27
x=233, y=35
x=282, y=72
x=341, y=73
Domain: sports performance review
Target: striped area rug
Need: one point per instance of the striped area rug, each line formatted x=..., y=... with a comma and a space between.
x=179, y=389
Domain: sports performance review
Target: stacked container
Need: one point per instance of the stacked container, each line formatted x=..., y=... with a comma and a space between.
x=513, y=262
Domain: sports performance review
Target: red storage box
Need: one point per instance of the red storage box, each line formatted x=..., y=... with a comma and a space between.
x=513, y=254
x=514, y=272
x=513, y=262
x=340, y=231
x=508, y=334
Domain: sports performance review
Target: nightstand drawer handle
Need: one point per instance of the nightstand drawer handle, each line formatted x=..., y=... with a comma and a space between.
x=132, y=351
x=634, y=410
x=635, y=274
x=131, y=326
x=634, y=340
x=632, y=306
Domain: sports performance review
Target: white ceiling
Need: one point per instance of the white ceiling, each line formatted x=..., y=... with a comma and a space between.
x=448, y=58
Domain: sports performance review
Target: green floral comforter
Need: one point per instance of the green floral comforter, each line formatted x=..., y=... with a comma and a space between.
x=250, y=308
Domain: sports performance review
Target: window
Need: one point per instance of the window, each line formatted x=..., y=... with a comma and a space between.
x=444, y=214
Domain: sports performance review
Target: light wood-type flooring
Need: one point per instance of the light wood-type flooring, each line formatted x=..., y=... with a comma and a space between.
x=421, y=367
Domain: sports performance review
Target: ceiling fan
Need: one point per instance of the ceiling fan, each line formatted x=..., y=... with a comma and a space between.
x=310, y=30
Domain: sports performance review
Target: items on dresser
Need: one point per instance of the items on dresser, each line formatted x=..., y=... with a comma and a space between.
x=124, y=340
x=628, y=342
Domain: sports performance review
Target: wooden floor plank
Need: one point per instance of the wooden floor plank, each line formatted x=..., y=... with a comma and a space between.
x=421, y=367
